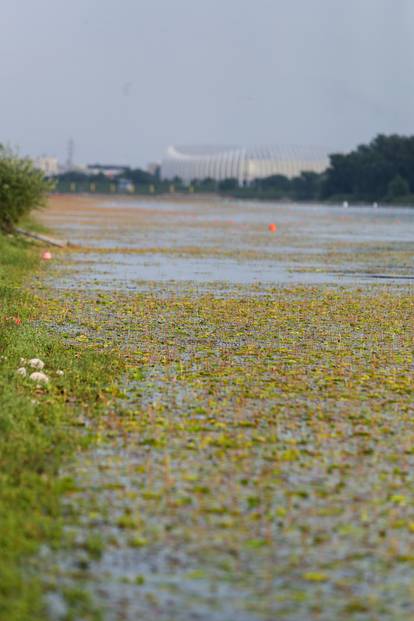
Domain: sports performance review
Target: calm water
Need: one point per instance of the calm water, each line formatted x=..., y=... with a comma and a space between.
x=229, y=241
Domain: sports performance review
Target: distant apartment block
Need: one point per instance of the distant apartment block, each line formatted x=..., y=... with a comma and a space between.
x=48, y=165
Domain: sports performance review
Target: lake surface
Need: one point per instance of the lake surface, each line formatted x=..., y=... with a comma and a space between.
x=128, y=243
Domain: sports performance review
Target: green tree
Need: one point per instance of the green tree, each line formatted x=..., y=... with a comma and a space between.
x=139, y=177
x=366, y=172
x=397, y=187
x=22, y=188
x=274, y=182
x=307, y=186
x=204, y=185
x=228, y=184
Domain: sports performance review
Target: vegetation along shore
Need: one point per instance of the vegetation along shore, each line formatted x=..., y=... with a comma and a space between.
x=38, y=420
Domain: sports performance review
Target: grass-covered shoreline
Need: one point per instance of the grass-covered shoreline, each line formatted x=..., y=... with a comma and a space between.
x=37, y=427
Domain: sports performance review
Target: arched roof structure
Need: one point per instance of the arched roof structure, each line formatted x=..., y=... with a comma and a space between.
x=242, y=163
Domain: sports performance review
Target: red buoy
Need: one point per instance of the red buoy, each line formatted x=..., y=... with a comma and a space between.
x=272, y=228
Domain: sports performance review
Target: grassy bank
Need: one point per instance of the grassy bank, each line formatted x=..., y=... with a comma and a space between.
x=37, y=426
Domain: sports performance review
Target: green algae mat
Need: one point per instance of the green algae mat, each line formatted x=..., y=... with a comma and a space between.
x=257, y=460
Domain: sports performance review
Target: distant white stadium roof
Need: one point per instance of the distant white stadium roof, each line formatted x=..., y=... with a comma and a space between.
x=242, y=163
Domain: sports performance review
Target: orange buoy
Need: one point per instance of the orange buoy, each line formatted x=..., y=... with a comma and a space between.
x=272, y=227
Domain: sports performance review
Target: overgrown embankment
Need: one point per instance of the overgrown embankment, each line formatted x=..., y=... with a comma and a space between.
x=37, y=428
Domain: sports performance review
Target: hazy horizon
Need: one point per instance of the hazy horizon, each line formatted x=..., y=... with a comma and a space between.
x=126, y=80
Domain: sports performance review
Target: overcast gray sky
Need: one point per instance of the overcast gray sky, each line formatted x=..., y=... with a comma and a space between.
x=125, y=78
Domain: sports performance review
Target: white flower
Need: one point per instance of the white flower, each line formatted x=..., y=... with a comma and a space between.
x=60, y=373
x=40, y=377
x=22, y=371
x=36, y=363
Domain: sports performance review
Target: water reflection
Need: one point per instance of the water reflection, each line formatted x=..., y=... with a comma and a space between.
x=229, y=241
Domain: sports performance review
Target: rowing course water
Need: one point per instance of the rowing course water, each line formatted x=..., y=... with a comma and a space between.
x=128, y=243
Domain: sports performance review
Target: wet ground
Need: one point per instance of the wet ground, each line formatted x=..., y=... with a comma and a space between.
x=256, y=461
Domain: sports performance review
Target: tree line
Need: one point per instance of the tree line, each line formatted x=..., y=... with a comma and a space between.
x=381, y=171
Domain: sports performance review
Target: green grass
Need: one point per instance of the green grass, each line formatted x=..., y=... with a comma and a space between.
x=36, y=428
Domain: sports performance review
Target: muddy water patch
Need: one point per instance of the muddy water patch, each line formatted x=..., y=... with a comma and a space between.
x=125, y=268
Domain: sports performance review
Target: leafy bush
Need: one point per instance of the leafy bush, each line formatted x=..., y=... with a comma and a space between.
x=22, y=188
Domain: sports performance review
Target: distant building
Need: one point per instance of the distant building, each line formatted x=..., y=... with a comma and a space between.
x=154, y=168
x=241, y=163
x=109, y=170
x=48, y=165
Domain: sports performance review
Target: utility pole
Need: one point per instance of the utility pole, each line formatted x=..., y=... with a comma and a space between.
x=70, y=154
